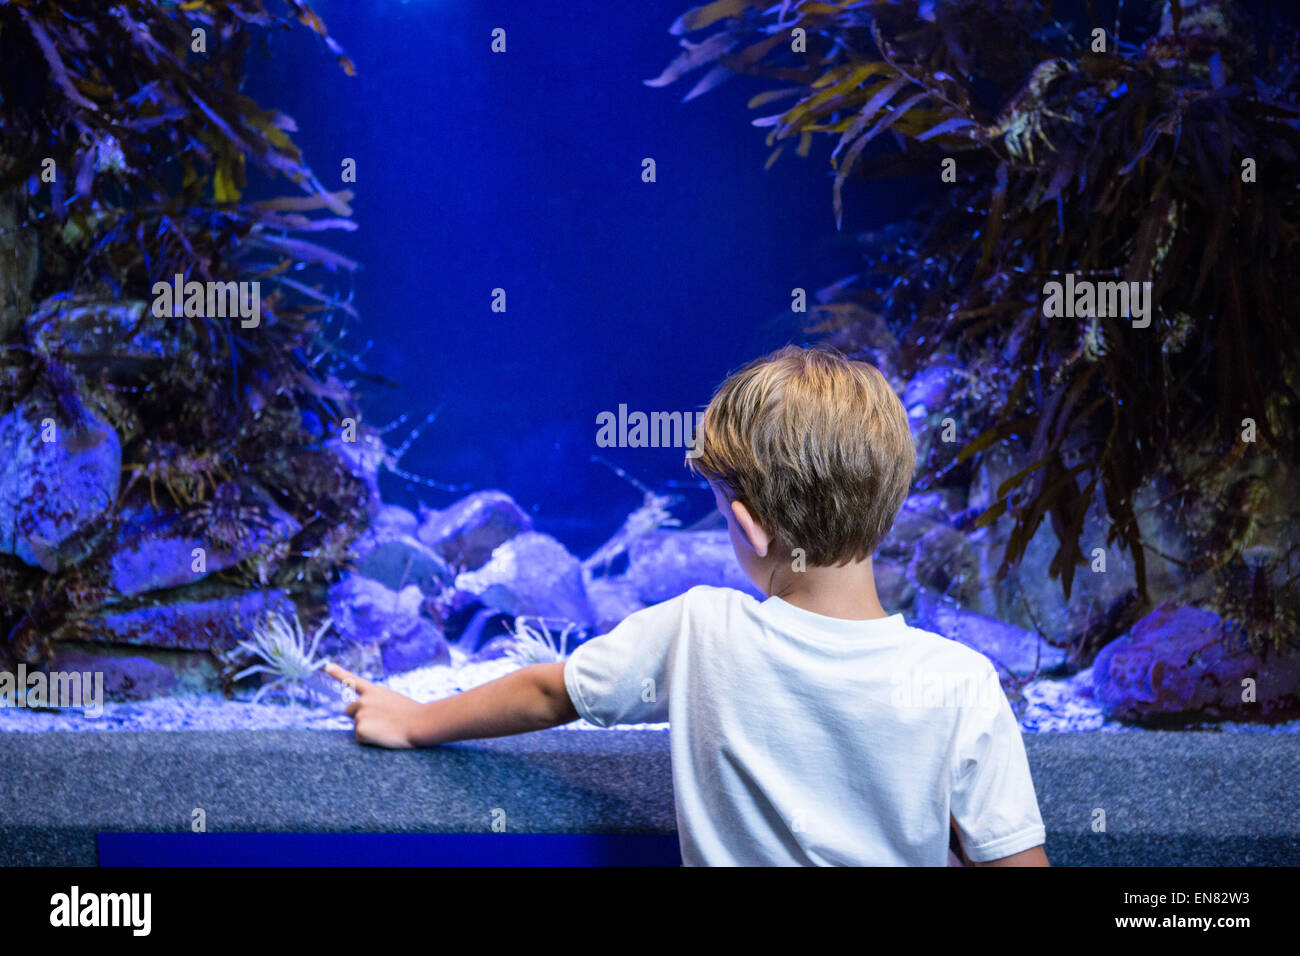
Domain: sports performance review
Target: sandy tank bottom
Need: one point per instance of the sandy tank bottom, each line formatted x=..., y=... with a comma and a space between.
x=1050, y=705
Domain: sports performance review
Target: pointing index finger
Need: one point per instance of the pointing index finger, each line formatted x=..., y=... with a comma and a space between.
x=345, y=676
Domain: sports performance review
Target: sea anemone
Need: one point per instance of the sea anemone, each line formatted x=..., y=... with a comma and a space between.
x=280, y=643
x=538, y=645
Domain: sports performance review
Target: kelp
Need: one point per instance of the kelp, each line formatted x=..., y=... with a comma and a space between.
x=1124, y=165
x=151, y=145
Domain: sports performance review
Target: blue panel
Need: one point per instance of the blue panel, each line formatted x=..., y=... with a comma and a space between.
x=387, y=849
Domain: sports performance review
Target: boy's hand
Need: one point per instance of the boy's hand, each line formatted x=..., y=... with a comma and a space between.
x=383, y=718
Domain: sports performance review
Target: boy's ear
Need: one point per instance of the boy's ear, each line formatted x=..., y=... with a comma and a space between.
x=758, y=539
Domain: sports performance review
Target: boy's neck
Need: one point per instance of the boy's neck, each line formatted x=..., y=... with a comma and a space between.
x=848, y=592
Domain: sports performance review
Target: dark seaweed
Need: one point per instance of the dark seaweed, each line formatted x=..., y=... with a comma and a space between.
x=153, y=144
x=1117, y=165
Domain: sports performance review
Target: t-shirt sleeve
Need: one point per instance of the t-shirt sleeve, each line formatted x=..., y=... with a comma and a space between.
x=993, y=798
x=622, y=677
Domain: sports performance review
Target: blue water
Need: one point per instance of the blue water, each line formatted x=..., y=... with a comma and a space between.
x=523, y=171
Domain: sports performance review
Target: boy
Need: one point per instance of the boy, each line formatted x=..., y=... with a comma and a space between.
x=811, y=728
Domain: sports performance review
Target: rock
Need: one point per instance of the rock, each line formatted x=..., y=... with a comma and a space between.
x=1031, y=595
x=532, y=574
x=191, y=625
x=895, y=591
x=469, y=531
x=50, y=491
x=936, y=423
x=664, y=564
x=1011, y=648
x=931, y=389
x=367, y=613
x=422, y=646
x=612, y=599
x=393, y=521
x=107, y=334
x=155, y=550
x=941, y=506
x=364, y=610
x=944, y=561
x=1179, y=661
x=906, y=530
x=1100, y=628
x=997, y=463
x=400, y=561
x=453, y=611
x=140, y=674
x=362, y=459
x=1100, y=605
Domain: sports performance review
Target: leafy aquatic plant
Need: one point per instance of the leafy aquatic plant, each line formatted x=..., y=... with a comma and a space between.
x=127, y=144
x=1172, y=161
x=280, y=644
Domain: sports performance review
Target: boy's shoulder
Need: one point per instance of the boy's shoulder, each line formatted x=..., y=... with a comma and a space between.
x=954, y=652
x=940, y=651
x=713, y=593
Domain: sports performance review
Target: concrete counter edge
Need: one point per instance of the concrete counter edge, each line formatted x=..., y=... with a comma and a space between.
x=1163, y=799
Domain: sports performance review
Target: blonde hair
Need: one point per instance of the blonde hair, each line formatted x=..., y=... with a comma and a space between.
x=816, y=446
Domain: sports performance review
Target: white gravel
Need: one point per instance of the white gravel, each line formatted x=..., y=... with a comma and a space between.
x=214, y=712
x=1051, y=705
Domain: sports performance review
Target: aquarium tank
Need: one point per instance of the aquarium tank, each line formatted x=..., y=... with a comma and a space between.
x=378, y=333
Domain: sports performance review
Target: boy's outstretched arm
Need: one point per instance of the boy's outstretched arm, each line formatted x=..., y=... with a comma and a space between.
x=532, y=698
x=1035, y=856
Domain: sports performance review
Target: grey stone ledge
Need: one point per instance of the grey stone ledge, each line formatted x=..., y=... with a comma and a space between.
x=1170, y=799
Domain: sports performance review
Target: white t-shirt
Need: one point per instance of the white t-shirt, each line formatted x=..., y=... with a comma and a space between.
x=800, y=739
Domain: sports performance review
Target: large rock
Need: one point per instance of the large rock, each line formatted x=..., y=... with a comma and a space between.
x=400, y=561
x=919, y=514
x=216, y=624
x=388, y=552
x=1101, y=602
x=422, y=646
x=51, y=490
x=95, y=333
x=1011, y=648
x=944, y=561
x=140, y=673
x=469, y=531
x=664, y=564
x=366, y=612
x=532, y=574
x=1032, y=597
x=943, y=505
x=1181, y=661
x=931, y=409
x=156, y=550
x=612, y=599
x=895, y=591
x=363, y=458
x=932, y=388
x=393, y=521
